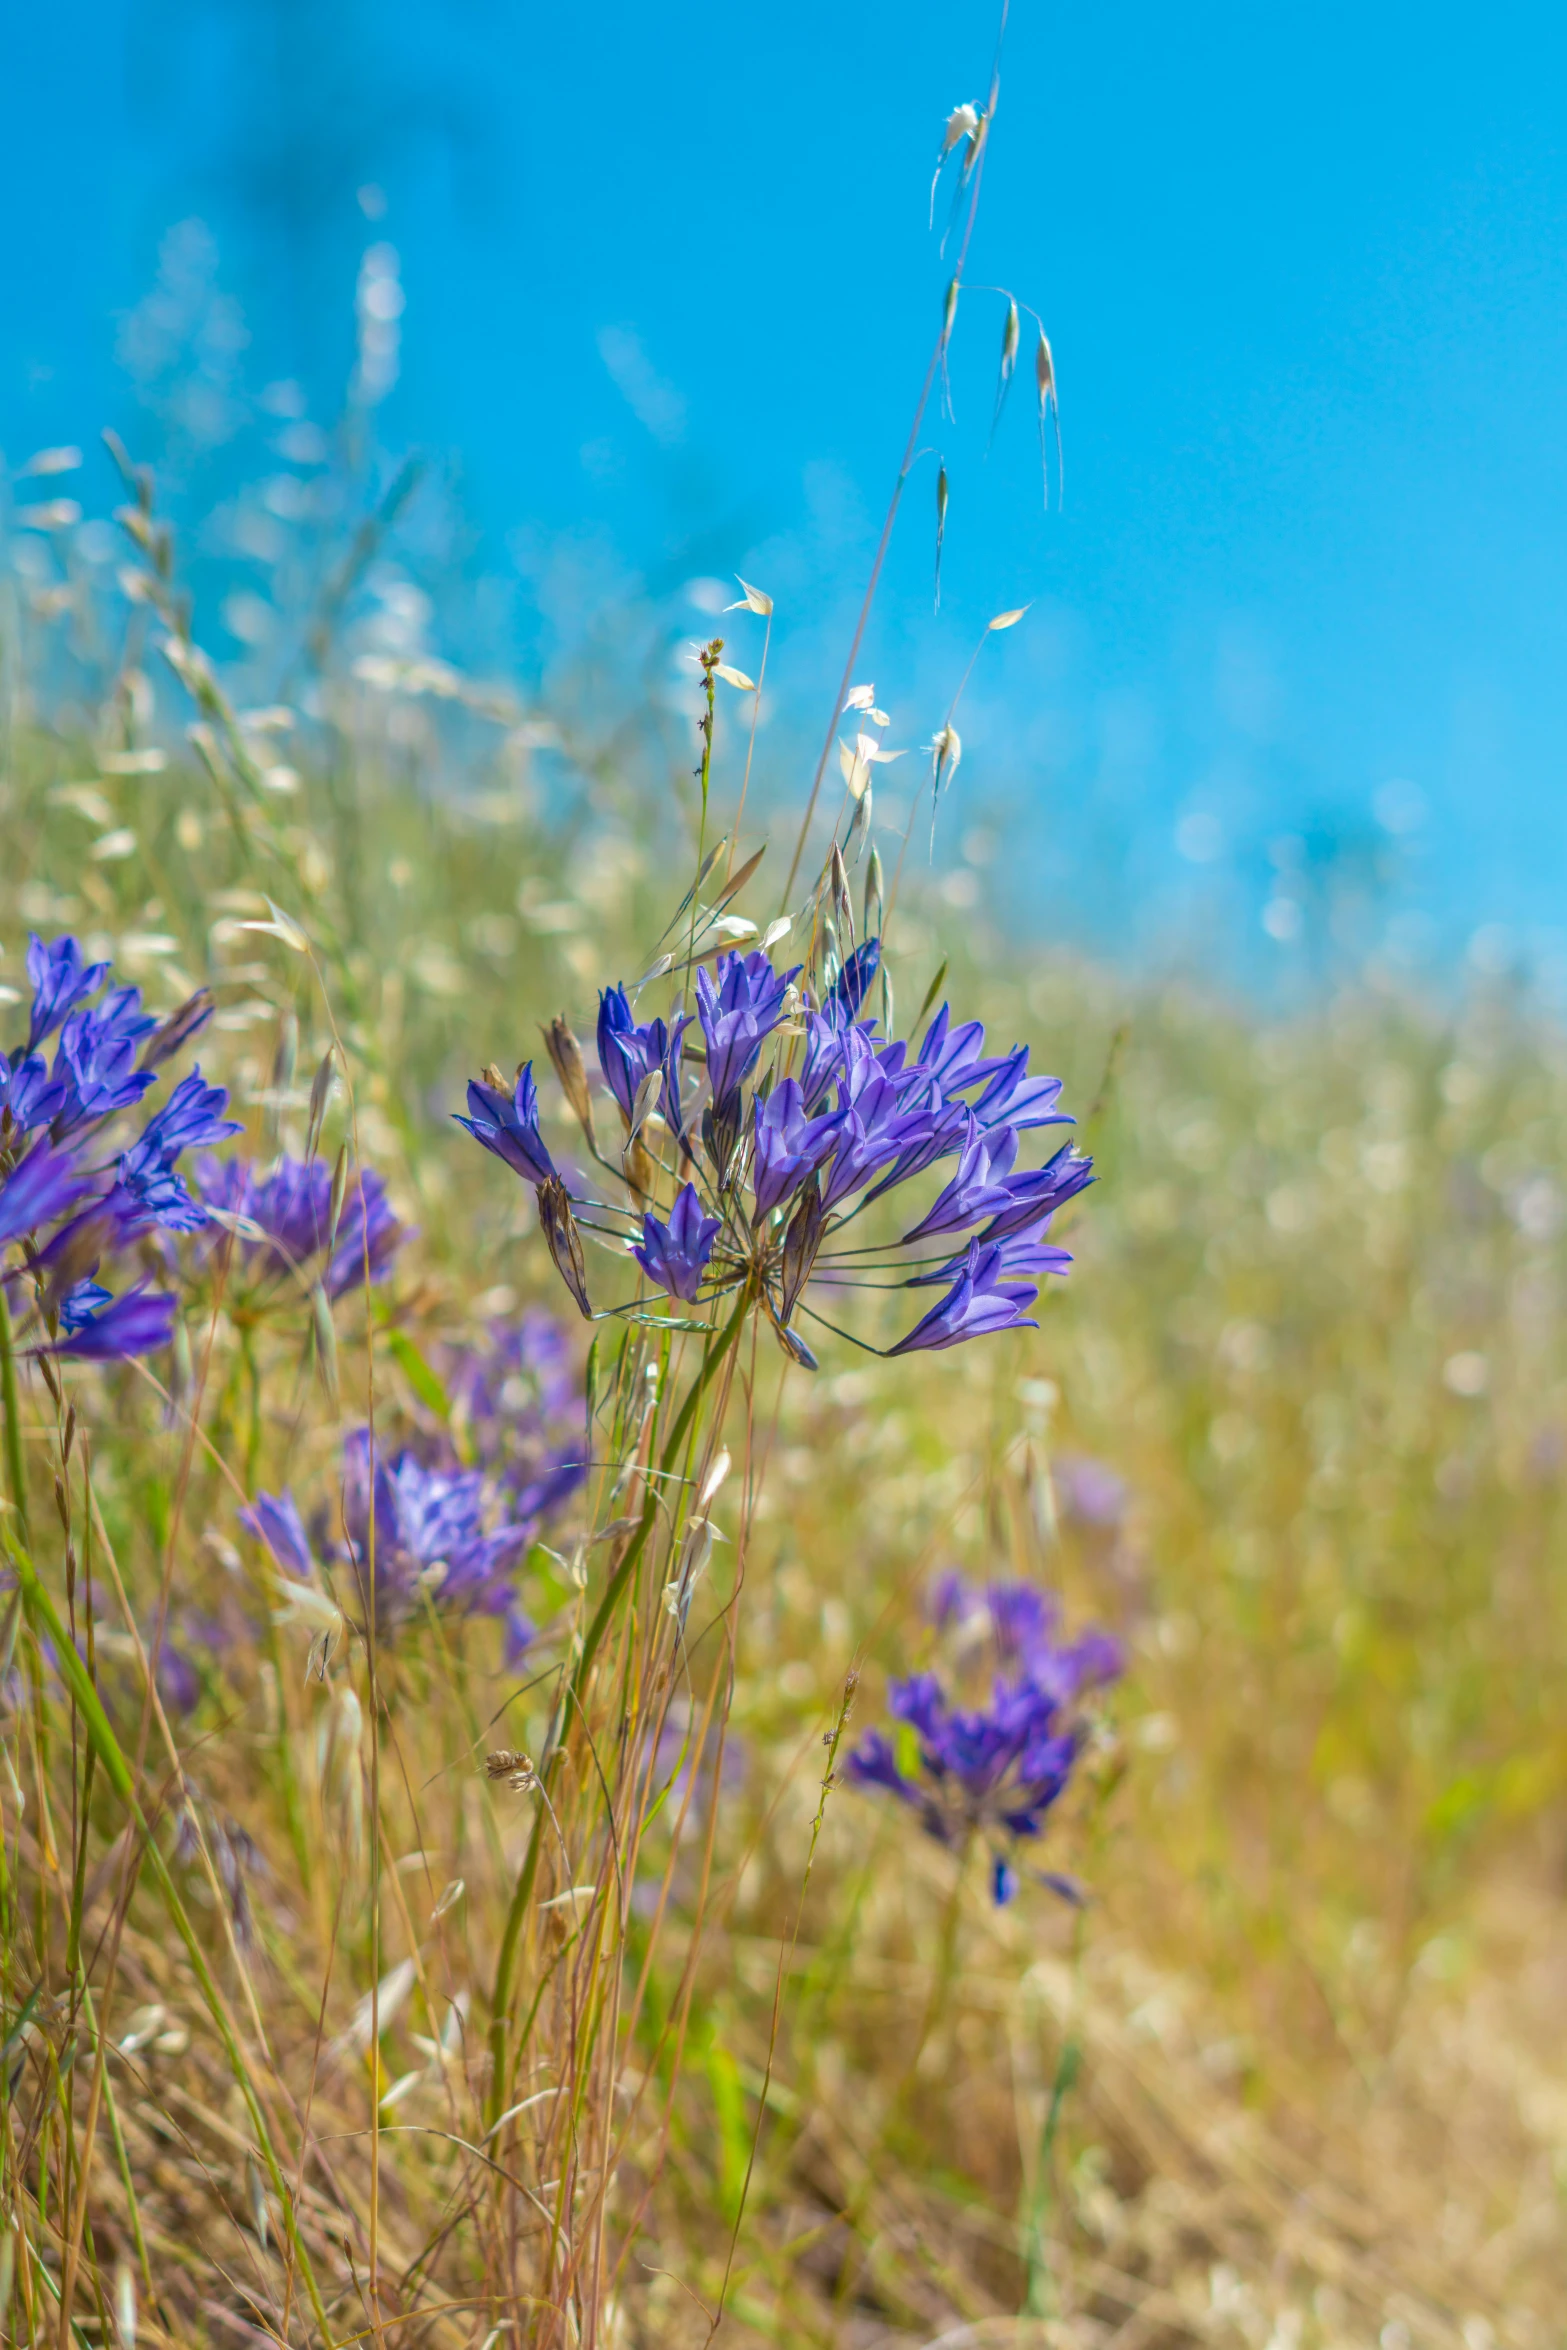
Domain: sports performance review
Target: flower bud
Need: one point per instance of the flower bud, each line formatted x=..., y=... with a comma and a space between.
x=566, y=1060
x=563, y=1241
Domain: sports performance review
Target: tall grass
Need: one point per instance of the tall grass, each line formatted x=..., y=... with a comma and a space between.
x=359, y=1984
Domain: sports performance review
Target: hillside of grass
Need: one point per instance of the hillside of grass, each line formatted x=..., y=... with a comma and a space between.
x=1294, y=1429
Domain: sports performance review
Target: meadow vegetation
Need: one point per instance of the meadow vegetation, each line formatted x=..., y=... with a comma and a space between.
x=440, y=1900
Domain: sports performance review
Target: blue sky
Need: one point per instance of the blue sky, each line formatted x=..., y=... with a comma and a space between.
x=1304, y=274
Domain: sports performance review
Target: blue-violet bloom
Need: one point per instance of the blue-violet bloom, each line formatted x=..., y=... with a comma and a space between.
x=675, y=1255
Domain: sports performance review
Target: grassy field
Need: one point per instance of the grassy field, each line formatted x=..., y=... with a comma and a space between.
x=1295, y=1429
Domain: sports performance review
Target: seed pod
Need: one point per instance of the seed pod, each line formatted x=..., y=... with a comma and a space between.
x=831, y=956
x=873, y=895
x=1011, y=336
x=1049, y=408
x=326, y=1338
x=843, y=905
x=512, y=1765
x=177, y=1031
x=941, y=525
x=721, y=1133
x=932, y=992
x=714, y=1479
x=566, y=1060
x=1044, y=371
x=801, y=1242
x=125, y=2312
x=639, y=1170
x=563, y=1241
x=338, y=1743
x=949, y=312
x=339, y=1194
x=320, y=1094
x=695, y=1552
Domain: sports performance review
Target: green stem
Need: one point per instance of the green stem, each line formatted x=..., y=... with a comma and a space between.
x=11, y=1404
x=522, y=1891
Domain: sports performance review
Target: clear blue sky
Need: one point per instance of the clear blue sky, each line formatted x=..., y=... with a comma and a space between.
x=1305, y=272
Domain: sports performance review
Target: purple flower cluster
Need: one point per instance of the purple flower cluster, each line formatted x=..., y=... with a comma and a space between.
x=518, y=1405
x=68, y=1197
x=436, y=1529
x=992, y=1770
x=291, y=1204
x=764, y=1182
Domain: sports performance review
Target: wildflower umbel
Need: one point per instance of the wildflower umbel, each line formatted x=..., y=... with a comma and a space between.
x=443, y=1535
x=992, y=1771
x=74, y=1191
x=747, y=1160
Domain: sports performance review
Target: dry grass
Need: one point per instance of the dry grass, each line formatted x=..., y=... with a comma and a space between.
x=1294, y=2076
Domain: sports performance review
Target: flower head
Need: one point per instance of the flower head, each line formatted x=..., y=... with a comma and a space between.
x=629, y=1053
x=139, y=1323
x=518, y=1399
x=416, y=1532
x=147, y=1189
x=68, y=1203
x=980, y=1301
x=787, y=1146
x=738, y=1011
x=291, y=1204
x=42, y=1187
x=802, y=1126
x=675, y=1254
x=97, y=1060
x=995, y=1768
x=59, y=979
x=510, y=1128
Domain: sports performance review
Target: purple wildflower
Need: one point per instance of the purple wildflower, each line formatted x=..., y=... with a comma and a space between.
x=991, y=1770
x=788, y=1146
x=1087, y=1491
x=275, y=1520
x=292, y=1205
x=510, y=1128
x=46, y=1184
x=875, y=1126
x=80, y=1303
x=629, y=1053
x=59, y=979
x=675, y=1255
x=96, y=1060
x=519, y=1402
x=29, y=1097
x=977, y=1190
x=853, y=982
x=738, y=1011
x=1040, y=1192
x=141, y=1322
x=823, y=1133
x=147, y=1190
x=980, y=1301
x=437, y=1531
x=1022, y=1255
x=1015, y=1099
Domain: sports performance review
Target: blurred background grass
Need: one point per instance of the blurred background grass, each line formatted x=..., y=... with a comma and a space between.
x=1296, y=1427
